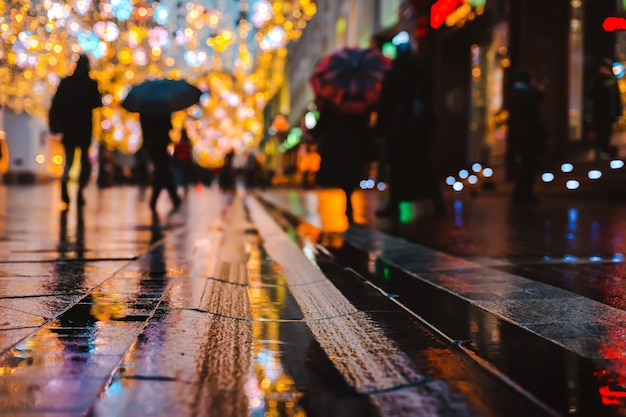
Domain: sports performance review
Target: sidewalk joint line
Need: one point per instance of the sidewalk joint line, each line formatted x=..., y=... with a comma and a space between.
x=227, y=282
x=199, y=310
x=398, y=387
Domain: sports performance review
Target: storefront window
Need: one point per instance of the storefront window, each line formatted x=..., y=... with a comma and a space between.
x=576, y=65
x=487, y=124
x=618, y=69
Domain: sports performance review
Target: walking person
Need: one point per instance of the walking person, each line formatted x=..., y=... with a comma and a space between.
x=527, y=136
x=227, y=179
x=344, y=146
x=156, y=137
x=604, y=107
x=253, y=172
x=71, y=115
x=183, y=162
x=405, y=121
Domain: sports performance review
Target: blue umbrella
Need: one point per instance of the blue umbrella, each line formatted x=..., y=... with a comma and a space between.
x=161, y=97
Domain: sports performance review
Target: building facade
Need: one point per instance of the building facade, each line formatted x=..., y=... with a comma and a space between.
x=337, y=24
x=473, y=56
x=471, y=48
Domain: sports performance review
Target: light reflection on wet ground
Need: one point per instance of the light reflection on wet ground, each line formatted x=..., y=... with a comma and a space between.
x=574, y=246
x=110, y=313
x=105, y=312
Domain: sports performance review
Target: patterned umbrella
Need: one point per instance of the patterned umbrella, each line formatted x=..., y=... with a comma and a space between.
x=350, y=79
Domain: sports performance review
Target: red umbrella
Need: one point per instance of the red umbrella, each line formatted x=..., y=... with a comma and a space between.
x=350, y=79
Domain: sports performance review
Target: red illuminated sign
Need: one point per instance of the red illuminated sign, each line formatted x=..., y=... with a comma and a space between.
x=612, y=24
x=442, y=9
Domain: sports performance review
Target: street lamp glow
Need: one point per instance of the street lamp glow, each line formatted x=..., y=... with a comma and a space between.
x=594, y=174
x=458, y=186
x=487, y=172
x=463, y=174
x=400, y=38
x=572, y=184
x=616, y=164
x=310, y=120
x=547, y=177
x=476, y=167
x=567, y=167
x=450, y=180
x=472, y=179
x=161, y=15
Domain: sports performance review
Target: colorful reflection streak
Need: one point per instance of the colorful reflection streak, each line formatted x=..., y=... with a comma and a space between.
x=271, y=390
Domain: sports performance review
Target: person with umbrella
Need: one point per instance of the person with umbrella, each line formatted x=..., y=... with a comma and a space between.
x=346, y=86
x=405, y=120
x=155, y=101
x=71, y=114
x=604, y=107
x=156, y=139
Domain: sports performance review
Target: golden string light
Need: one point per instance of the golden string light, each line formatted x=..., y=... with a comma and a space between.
x=239, y=62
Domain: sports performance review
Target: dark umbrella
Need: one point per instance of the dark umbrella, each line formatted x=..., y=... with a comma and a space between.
x=350, y=79
x=161, y=97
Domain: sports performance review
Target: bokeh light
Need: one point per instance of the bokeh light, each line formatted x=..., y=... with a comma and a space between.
x=131, y=41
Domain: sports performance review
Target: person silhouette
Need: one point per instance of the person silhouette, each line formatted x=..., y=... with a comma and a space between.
x=341, y=141
x=405, y=121
x=527, y=135
x=156, y=137
x=604, y=107
x=71, y=115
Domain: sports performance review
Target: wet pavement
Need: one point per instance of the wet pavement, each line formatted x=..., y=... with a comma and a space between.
x=273, y=304
x=211, y=311
x=535, y=294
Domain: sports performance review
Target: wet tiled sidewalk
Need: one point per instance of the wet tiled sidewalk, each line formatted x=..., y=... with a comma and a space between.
x=214, y=310
x=555, y=271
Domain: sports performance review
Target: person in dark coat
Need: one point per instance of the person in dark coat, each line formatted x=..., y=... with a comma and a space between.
x=605, y=107
x=527, y=136
x=71, y=114
x=253, y=172
x=343, y=143
x=156, y=139
x=405, y=121
x=227, y=180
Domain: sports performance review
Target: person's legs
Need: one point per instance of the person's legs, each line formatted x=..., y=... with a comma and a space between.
x=85, y=173
x=163, y=177
x=85, y=167
x=172, y=190
x=392, y=206
x=349, y=210
x=157, y=186
x=523, y=192
x=603, y=139
x=529, y=173
x=69, y=160
x=437, y=199
x=517, y=176
x=157, y=176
